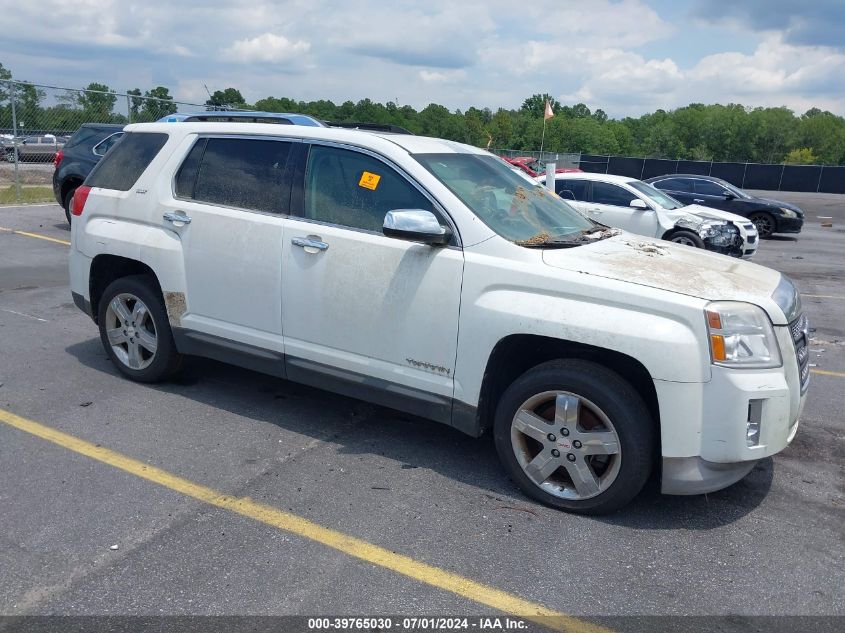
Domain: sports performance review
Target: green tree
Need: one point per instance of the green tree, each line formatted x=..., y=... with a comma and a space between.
x=5, y=75
x=97, y=105
x=274, y=104
x=229, y=97
x=136, y=103
x=801, y=156
x=825, y=133
x=157, y=103
x=535, y=105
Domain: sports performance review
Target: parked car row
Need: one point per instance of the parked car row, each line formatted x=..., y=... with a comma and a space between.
x=637, y=207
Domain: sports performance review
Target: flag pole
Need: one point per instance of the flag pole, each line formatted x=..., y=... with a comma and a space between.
x=548, y=113
x=543, y=139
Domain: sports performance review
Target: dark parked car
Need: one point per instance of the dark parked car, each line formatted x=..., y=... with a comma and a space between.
x=769, y=216
x=79, y=155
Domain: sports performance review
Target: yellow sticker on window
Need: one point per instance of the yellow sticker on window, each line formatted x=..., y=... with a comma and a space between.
x=369, y=181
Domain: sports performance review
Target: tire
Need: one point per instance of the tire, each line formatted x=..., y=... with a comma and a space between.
x=581, y=407
x=141, y=345
x=687, y=238
x=68, y=201
x=764, y=222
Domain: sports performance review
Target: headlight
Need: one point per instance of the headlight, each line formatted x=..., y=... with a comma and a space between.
x=741, y=335
x=788, y=213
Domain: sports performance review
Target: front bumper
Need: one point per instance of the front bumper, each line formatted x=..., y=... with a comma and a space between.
x=789, y=225
x=704, y=425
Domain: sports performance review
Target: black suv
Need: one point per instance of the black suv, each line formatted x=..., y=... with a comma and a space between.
x=78, y=157
x=769, y=216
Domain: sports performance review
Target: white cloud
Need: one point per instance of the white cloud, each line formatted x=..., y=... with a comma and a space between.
x=624, y=56
x=442, y=76
x=267, y=47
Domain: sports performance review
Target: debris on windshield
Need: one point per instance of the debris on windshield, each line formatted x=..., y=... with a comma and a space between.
x=649, y=248
x=600, y=234
x=540, y=238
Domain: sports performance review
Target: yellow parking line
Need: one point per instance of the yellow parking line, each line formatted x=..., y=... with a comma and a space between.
x=37, y=236
x=826, y=372
x=363, y=550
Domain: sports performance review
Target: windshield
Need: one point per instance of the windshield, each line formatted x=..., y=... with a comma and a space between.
x=739, y=193
x=660, y=198
x=522, y=212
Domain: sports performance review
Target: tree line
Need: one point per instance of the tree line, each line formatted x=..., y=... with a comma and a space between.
x=731, y=132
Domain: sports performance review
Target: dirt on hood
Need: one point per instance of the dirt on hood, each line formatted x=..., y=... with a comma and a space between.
x=668, y=266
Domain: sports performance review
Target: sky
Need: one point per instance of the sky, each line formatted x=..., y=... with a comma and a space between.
x=627, y=57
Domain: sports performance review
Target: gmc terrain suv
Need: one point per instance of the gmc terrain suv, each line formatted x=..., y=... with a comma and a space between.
x=425, y=275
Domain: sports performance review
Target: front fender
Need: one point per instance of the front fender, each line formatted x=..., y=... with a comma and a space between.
x=662, y=330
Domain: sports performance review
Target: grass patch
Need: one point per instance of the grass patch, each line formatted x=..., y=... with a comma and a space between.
x=29, y=195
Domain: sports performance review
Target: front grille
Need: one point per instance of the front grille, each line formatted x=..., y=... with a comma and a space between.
x=799, y=329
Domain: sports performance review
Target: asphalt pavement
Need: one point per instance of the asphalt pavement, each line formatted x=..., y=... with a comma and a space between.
x=436, y=508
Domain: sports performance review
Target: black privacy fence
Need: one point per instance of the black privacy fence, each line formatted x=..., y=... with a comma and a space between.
x=817, y=178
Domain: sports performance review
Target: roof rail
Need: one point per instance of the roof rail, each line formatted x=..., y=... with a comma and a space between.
x=369, y=127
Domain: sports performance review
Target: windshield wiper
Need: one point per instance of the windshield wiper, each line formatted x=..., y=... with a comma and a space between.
x=587, y=236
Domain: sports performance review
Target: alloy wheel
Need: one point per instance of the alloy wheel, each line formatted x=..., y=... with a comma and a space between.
x=131, y=331
x=566, y=445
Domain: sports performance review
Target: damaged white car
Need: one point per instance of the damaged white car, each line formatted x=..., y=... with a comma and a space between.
x=638, y=207
x=424, y=275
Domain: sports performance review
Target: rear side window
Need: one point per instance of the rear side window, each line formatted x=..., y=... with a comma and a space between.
x=571, y=189
x=605, y=193
x=674, y=184
x=106, y=144
x=708, y=188
x=126, y=161
x=234, y=172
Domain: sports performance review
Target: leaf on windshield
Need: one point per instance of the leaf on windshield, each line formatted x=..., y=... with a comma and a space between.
x=540, y=238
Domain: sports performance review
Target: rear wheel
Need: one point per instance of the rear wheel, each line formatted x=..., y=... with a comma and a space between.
x=576, y=436
x=764, y=222
x=68, y=205
x=687, y=238
x=135, y=331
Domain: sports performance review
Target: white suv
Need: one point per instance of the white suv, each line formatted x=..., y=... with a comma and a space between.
x=638, y=207
x=425, y=275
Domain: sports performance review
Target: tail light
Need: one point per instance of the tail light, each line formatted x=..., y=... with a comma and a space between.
x=58, y=159
x=79, y=198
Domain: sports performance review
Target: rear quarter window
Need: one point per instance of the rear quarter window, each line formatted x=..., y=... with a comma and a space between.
x=126, y=161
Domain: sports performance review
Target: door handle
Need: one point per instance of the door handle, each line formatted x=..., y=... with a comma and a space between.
x=697, y=200
x=178, y=216
x=310, y=242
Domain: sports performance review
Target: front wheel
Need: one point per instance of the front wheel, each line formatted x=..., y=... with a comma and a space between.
x=687, y=238
x=576, y=436
x=135, y=331
x=764, y=222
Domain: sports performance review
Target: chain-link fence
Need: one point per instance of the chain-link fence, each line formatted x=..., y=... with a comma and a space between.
x=37, y=120
x=568, y=160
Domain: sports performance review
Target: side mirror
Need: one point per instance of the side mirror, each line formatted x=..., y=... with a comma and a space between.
x=728, y=195
x=566, y=194
x=638, y=204
x=416, y=225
